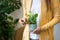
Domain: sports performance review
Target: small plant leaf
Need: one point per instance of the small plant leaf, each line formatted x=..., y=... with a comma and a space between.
x=36, y=15
x=32, y=18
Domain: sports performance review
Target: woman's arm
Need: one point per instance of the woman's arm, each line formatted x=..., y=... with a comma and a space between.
x=51, y=23
x=54, y=21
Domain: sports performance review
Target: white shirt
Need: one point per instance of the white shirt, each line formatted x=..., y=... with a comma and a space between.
x=36, y=8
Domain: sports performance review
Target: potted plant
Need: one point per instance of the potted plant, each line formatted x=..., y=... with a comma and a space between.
x=32, y=20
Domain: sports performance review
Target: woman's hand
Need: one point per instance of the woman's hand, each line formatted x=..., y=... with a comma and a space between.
x=40, y=29
x=23, y=21
x=37, y=30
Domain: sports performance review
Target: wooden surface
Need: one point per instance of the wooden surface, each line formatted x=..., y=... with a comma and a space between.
x=18, y=34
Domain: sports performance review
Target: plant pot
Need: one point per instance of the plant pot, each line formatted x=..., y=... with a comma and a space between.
x=33, y=36
x=32, y=27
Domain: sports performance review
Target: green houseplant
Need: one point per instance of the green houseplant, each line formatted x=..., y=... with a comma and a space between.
x=7, y=23
x=32, y=20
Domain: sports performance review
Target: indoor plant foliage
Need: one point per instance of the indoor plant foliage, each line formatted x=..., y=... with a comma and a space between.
x=32, y=20
x=8, y=6
x=7, y=23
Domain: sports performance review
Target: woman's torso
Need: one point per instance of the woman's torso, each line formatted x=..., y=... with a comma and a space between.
x=36, y=8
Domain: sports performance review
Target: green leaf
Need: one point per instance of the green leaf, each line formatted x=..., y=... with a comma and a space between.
x=36, y=15
x=16, y=21
x=32, y=18
x=9, y=17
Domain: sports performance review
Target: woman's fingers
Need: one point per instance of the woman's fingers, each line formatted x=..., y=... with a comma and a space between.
x=23, y=21
x=37, y=30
